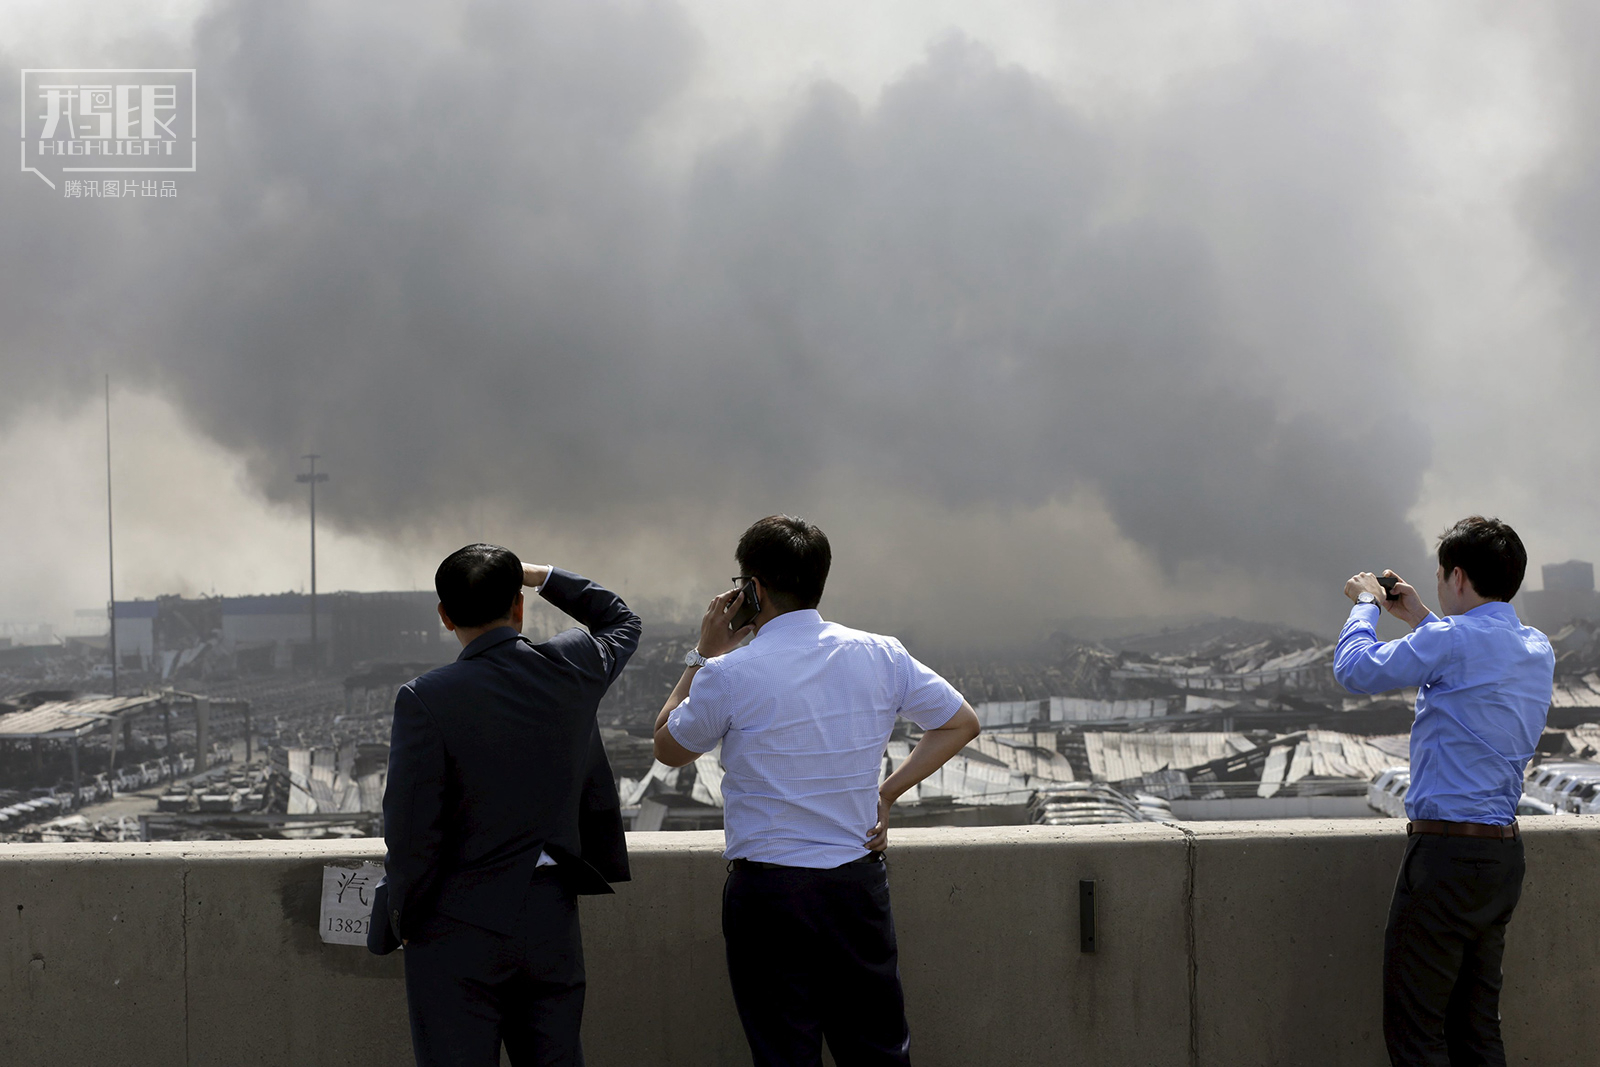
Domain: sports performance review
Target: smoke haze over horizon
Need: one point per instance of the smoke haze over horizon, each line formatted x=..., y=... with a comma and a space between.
x=1083, y=310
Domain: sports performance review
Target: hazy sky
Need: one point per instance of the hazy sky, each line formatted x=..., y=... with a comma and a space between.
x=1063, y=309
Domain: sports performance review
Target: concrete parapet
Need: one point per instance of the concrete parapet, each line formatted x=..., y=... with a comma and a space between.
x=1229, y=945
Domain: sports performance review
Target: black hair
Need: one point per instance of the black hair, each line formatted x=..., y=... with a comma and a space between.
x=1489, y=552
x=478, y=584
x=790, y=556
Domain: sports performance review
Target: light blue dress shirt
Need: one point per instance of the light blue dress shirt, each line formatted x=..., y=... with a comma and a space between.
x=804, y=713
x=1484, y=683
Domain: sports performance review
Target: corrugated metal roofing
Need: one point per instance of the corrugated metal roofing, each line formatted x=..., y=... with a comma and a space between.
x=1330, y=754
x=1583, y=734
x=1117, y=757
x=995, y=713
x=973, y=781
x=1031, y=760
x=1576, y=692
x=68, y=718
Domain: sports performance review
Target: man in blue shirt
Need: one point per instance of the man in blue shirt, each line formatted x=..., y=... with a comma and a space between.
x=1484, y=684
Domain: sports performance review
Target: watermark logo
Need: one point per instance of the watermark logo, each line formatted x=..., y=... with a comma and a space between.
x=108, y=122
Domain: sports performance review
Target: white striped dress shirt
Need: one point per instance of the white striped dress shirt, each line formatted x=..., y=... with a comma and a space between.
x=804, y=713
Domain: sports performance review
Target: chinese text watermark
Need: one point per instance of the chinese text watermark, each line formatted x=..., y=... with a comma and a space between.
x=138, y=121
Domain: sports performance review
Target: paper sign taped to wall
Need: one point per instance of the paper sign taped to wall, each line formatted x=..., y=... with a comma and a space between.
x=347, y=902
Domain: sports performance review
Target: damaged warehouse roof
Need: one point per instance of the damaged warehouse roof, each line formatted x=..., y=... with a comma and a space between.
x=70, y=718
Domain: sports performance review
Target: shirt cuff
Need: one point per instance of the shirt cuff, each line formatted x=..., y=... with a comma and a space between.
x=548, y=571
x=945, y=721
x=1366, y=612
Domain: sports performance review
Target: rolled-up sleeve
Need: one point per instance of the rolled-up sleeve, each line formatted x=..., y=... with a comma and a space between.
x=1363, y=664
x=704, y=717
x=925, y=698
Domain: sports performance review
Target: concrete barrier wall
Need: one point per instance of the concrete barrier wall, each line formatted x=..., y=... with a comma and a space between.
x=1227, y=945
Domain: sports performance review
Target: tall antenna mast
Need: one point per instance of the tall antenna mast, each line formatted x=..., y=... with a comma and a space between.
x=111, y=553
x=312, y=477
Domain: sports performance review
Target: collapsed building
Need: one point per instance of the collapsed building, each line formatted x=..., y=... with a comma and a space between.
x=1219, y=719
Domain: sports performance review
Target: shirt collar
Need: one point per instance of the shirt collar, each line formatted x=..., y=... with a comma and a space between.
x=789, y=620
x=487, y=640
x=1500, y=608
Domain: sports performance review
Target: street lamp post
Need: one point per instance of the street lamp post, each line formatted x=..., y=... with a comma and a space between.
x=311, y=478
x=111, y=550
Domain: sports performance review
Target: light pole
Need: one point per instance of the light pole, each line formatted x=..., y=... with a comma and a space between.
x=311, y=478
x=111, y=551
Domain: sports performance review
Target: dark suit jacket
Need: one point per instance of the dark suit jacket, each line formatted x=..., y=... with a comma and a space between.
x=497, y=757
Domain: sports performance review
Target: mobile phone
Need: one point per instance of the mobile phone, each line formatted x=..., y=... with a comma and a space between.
x=748, y=608
x=1389, y=581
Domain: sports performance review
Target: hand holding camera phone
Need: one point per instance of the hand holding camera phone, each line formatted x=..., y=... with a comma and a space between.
x=1389, y=581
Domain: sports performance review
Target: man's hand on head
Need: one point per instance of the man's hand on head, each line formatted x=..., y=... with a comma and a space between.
x=715, y=637
x=534, y=576
x=1365, y=582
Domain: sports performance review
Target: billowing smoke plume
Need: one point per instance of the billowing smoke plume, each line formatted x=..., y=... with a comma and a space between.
x=437, y=245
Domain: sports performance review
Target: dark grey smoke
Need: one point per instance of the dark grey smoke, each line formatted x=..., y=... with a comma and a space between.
x=1563, y=200
x=436, y=248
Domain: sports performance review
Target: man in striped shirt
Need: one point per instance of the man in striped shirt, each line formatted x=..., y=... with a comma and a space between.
x=803, y=714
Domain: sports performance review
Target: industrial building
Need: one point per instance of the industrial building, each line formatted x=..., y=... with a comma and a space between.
x=1568, y=595
x=255, y=634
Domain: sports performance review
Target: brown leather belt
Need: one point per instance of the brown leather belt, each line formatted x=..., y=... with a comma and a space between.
x=1463, y=829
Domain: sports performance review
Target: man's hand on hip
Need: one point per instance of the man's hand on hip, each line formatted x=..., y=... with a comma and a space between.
x=878, y=836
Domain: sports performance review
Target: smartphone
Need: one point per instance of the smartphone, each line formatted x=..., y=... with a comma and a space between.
x=748, y=608
x=1389, y=581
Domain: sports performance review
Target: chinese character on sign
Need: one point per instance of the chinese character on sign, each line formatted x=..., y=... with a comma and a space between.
x=347, y=902
x=169, y=188
x=123, y=120
x=111, y=187
x=356, y=883
x=74, y=188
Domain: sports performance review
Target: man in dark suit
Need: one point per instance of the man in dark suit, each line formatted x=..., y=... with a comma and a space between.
x=500, y=808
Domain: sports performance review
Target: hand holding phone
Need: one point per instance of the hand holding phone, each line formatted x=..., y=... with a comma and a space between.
x=749, y=607
x=1389, y=581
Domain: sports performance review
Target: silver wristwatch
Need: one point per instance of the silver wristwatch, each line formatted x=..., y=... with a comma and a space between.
x=1366, y=598
x=693, y=658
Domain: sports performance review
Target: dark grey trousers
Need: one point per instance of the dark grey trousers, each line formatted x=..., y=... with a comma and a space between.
x=812, y=956
x=1442, y=950
x=469, y=989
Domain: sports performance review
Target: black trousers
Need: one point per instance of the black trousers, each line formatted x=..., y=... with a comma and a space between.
x=1442, y=950
x=811, y=955
x=469, y=989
